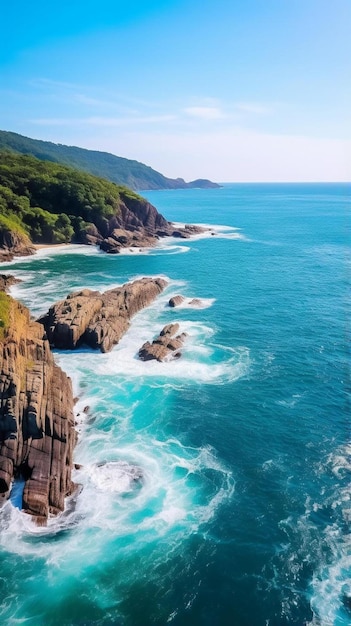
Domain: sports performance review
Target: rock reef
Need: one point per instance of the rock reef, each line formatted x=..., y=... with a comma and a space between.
x=37, y=434
x=165, y=347
x=95, y=319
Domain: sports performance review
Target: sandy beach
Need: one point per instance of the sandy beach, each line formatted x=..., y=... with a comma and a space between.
x=39, y=246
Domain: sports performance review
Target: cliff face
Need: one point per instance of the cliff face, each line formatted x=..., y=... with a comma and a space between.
x=138, y=224
x=37, y=434
x=13, y=244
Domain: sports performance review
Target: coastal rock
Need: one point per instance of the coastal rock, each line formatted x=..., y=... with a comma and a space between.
x=176, y=301
x=187, y=231
x=13, y=243
x=139, y=214
x=37, y=434
x=166, y=346
x=138, y=225
x=98, y=320
x=6, y=281
x=121, y=238
x=90, y=235
x=196, y=302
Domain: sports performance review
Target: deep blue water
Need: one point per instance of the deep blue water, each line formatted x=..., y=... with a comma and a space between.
x=242, y=517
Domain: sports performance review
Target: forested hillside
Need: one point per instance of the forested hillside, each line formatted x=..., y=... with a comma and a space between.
x=122, y=171
x=52, y=203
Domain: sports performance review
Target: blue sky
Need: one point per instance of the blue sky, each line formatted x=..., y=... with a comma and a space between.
x=233, y=90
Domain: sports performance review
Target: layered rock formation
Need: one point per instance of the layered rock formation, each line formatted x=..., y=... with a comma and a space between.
x=165, y=347
x=37, y=434
x=14, y=244
x=98, y=320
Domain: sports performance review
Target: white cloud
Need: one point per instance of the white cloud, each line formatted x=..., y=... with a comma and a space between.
x=81, y=98
x=48, y=83
x=254, y=107
x=102, y=121
x=126, y=121
x=53, y=121
x=204, y=112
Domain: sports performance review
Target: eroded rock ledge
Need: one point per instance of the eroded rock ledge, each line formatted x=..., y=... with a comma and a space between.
x=37, y=434
x=95, y=319
x=165, y=347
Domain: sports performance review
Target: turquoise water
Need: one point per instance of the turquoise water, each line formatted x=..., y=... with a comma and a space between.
x=241, y=517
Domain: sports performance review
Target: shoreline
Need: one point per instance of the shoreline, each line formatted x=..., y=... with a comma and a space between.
x=40, y=246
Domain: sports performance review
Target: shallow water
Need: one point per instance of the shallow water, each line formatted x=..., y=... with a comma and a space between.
x=215, y=487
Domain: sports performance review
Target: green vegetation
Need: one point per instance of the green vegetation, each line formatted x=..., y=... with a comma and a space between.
x=5, y=308
x=127, y=172
x=12, y=223
x=52, y=203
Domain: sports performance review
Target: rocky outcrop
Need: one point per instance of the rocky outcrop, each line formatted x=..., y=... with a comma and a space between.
x=196, y=303
x=37, y=434
x=176, y=301
x=140, y=225
x=14, y=244
x=6, y=281
x=137, y=224
x=98, y=320
x=186, y=231
x=165, y=347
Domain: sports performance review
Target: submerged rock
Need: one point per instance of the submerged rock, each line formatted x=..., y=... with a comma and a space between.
x=166, y=346
x=117, y=477
x=196, y=302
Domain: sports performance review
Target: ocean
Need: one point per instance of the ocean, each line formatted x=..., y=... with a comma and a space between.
x=215, y=488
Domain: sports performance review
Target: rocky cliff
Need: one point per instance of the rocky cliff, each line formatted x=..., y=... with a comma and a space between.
x=98, y=320
x=13, y=243
x=37, y=434
x=137, y=225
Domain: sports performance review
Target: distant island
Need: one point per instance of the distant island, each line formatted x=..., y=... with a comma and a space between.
x=133, y=174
